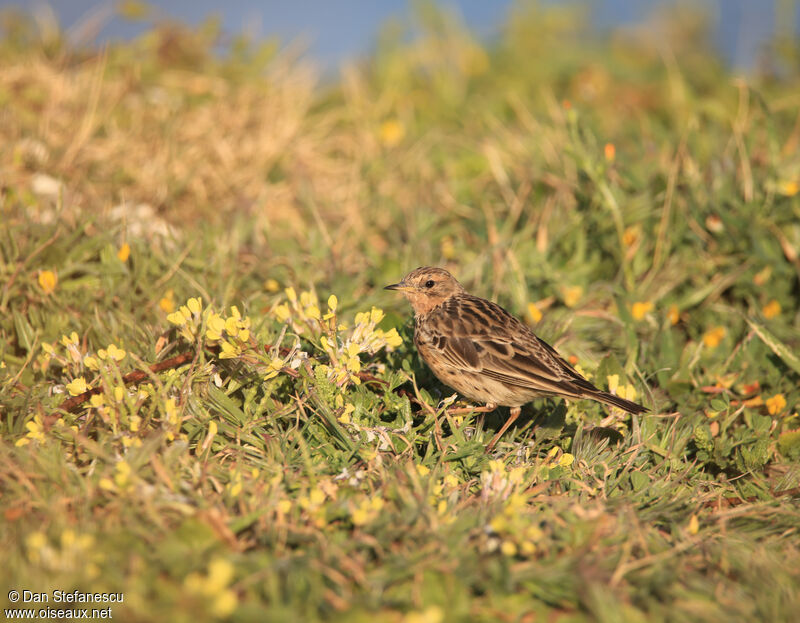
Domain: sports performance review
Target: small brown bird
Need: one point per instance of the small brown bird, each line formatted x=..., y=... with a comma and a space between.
x=483, y=352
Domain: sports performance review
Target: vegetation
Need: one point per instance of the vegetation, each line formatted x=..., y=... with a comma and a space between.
x=223, y=225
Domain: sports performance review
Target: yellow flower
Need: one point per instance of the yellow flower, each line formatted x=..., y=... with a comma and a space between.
x=776, y=404
x=47, y=281
x=713, y=337
x=673, y=314
x=392, y=132
x=271, y=285
x=232, y=326
x=640, y=309
x=422, y=470
x=77, y=386
x=499, y=523
x=376, y=315
x=235, y=485
x=333, y=303
x=283, y=507
x=229, y=351
x=344, y=418
x=534, y=312
x=571, y=295
x=359, y=515
x=316, y=496
x=72, y=339
x=167, y=302
x=36, y=543
x=216, y=325
x=613, y=383
x=610, y=152
x=90, y=362
x=117, y=354
x=631, y=235
x=224, y=604
x=282, y=312
x=789, y=188
x=451, y=481
x=393, y=338
x=176, y=318
x=35, y=432
x=195, y=305
x=291, y=294
x=566, y=460
x=313, y=312
x=694, y=525
x=508, y=548
x=220, y=574
x=628, y=392
x=433, y=614
x=214, y=585
x=124, y=252
x=307, y=298
x=527, y=548
x=122, y=474
x=771, y=309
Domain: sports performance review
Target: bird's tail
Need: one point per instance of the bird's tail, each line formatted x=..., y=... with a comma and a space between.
x=616, y=401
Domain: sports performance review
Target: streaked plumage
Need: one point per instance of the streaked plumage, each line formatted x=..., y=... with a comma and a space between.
x=486, y=354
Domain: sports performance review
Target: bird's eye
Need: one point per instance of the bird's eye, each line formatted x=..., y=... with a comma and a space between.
x=429, y=283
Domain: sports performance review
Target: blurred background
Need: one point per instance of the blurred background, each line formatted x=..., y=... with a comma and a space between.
x=743, y=31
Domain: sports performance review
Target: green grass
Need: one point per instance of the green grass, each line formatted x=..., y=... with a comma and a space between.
x=632, y=191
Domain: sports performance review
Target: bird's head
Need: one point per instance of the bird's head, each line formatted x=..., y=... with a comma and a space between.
x=427, y=287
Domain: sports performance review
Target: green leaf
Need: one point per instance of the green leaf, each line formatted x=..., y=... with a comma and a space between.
x=777, y=347
x=639, y=480
x=789, y=444
x=719, y=404
x=226, y=405
x=26, y=336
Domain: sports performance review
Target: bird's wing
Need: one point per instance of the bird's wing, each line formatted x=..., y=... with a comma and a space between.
x=478, y=335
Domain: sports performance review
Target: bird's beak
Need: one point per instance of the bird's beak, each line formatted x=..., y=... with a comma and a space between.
x=401, y=287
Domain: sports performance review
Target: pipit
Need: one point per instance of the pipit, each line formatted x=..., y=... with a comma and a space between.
x=486, y=354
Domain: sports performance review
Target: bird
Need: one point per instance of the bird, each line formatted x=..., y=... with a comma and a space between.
x=486, y=354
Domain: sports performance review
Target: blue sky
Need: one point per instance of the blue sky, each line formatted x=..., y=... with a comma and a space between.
x=336, y=30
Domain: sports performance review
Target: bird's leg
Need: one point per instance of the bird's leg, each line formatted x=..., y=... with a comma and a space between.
x=488, y=408
x=461, y=410
x=515, y=411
